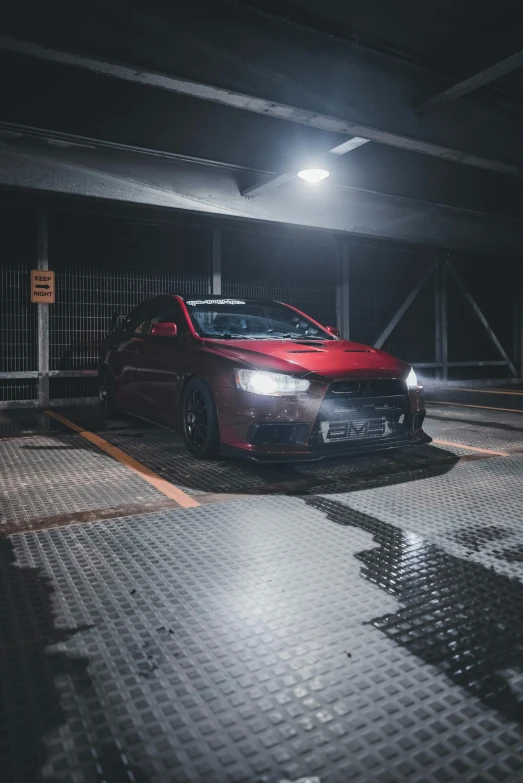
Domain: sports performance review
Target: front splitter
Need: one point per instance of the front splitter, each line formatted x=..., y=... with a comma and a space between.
x=329, y=452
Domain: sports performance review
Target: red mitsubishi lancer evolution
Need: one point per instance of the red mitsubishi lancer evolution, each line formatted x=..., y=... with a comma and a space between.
x=258, y=379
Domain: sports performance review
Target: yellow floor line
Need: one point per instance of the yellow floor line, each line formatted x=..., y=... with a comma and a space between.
x=487, y=391
x=470, y=448
x=168, y=489
x=466, y=405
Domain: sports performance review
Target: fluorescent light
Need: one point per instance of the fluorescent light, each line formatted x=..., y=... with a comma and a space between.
x=313, y=175
x=348, y=145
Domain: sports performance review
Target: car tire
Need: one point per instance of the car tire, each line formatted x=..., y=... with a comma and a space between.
x=200, y=420
x=106, y=393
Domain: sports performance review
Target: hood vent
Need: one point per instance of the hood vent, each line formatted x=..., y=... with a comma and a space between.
x=310, y=350
x=357, y=350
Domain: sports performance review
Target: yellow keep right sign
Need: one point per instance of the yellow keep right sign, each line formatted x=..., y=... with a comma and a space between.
x=42, y=286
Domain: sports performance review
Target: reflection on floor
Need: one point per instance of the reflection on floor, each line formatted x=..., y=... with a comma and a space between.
x=359, y=619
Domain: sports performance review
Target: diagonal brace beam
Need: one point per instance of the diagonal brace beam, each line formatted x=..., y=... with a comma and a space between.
x=472, y=302
x=475, y=82
x=398, y=315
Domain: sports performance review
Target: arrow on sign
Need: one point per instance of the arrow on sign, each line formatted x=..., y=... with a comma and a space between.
x=43, y=286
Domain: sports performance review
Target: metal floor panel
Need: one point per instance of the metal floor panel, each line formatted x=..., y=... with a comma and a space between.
x=265, y=640
x=474, y=511
x=44, y=476
x=497, y=430
x=163, y=451
x=369, y=631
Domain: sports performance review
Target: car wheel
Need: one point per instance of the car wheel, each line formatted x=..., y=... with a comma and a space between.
x=200, y=420
x=106, y=394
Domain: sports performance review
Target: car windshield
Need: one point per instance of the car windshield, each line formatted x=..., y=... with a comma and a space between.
x=237, y=318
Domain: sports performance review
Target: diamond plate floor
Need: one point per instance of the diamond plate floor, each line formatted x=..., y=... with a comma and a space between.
x=358, y=620
x=497, y=430
x=247, y=643
x=42, y=476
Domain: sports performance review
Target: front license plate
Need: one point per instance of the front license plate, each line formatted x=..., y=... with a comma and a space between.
x=360, y=429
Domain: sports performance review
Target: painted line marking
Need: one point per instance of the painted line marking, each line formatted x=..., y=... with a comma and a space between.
x=470, y=448
x=488, y=391
x=482, y=407
x=168, y=489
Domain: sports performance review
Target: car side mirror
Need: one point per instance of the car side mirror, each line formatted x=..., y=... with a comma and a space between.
x=164, y=330
x=333, y=330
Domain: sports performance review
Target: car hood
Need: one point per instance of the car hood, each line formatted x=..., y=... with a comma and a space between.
x=331, y=359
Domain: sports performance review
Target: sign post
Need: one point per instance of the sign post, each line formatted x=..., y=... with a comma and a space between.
x=43, y=297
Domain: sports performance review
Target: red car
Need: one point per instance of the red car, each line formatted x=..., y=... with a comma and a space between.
x=258, y=379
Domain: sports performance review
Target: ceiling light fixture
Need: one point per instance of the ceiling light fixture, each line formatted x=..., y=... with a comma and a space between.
x=313, y=175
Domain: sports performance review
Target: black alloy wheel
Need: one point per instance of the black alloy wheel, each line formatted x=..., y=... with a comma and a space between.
x=200, y=420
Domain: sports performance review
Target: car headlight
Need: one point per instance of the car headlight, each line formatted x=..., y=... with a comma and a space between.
x=260, y=382
x=411, y=380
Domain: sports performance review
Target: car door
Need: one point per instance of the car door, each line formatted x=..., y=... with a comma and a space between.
x=159, y=364
x=124, y=349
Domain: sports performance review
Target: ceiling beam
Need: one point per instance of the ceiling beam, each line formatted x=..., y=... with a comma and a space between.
x=476, y=81
x=373, y=77
x=268, y=184
x=274, y=182
x=113, y=172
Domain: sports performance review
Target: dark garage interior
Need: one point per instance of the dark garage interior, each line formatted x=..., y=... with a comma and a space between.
x=203, y=576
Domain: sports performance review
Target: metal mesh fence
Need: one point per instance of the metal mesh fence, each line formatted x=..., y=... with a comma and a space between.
x=487, y=282
x=380, y=280
x=18, y=317
x=298, y=270
x=495, y=284
x=73, y=388
x=106, y=266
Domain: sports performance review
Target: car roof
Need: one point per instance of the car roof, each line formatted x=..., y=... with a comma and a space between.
x=222, y=298
x=205, y=298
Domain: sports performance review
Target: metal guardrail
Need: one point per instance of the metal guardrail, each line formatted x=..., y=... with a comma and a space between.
x=7, y=376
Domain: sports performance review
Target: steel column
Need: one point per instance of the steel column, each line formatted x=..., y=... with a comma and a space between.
x=443, y=284
x=518, y=333
x=438, y=331
x=521, y=335
x=216, y=261
x=342, y=291
x=43, y=311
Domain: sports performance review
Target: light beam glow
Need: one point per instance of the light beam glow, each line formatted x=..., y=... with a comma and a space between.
x=313, y=175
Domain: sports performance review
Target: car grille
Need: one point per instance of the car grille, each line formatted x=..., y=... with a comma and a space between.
x=361, y=410
x=374, y=387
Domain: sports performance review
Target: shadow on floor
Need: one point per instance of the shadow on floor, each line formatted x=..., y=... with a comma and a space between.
x=31, y=709
x=162, y=450
x=456, y=615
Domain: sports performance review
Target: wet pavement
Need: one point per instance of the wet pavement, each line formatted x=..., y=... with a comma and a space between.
x=357, y=619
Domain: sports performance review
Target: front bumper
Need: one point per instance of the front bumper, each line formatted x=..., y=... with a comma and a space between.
x=320, y=424
x=359, y=449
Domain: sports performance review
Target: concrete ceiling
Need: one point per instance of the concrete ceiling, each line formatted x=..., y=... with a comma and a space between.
x=256, y=95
